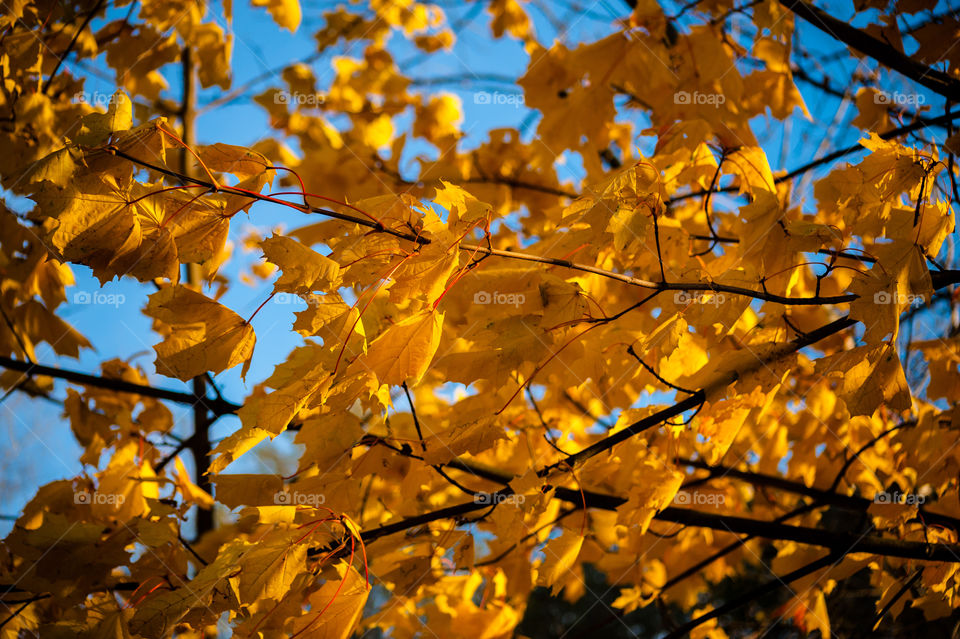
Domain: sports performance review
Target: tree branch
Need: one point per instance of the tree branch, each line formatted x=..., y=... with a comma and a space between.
x=23, y=607
x=485, y=250
x=841, y=542
x=220, y=407
x=73, y=42
x=882, y=52
x=830, y=157
x=199, y=442
x=755, y=593
x=823, y=496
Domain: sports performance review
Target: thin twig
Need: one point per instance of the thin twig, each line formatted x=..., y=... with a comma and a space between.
x=73, y=42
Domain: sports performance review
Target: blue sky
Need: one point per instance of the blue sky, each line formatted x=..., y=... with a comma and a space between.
x=40, y=446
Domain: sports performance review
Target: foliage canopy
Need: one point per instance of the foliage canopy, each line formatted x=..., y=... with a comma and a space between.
x=676, y=367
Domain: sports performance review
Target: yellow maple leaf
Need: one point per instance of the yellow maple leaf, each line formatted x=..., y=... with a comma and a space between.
x=404, y=351
x=96, y=128
x=753, y=169
x=336, y=607
x=304, y=270
x=285, y=13
x=560, y=555
x=868, y=376
x=509, y=17
x=190, y=491
x=204, y=335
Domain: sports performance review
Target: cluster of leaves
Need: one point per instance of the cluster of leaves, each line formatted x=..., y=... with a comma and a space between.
x=653, y=345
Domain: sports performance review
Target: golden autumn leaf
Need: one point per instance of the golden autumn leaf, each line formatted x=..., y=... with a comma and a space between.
x=285, y=13
x=232, y=447
x=868, y=376
x=304, y=270
x=159, y=614
x=509, y=16
x=190, y=491
x=203, y=335
x=270, y=566
x=404, y=351
x=470, y=437
x=338, y=604
x=97, y=127
x=752, y=164
x=560, y=554
x=547, y=296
